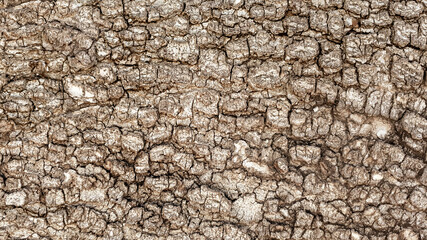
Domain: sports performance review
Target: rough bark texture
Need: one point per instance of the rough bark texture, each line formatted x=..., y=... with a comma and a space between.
x=224, y=119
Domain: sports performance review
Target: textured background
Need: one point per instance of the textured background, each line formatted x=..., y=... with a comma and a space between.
x=225, y=119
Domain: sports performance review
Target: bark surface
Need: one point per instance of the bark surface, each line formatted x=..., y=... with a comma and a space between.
x=222, y=119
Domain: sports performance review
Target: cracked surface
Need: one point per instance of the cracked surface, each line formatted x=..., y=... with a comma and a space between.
x=222, y=119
